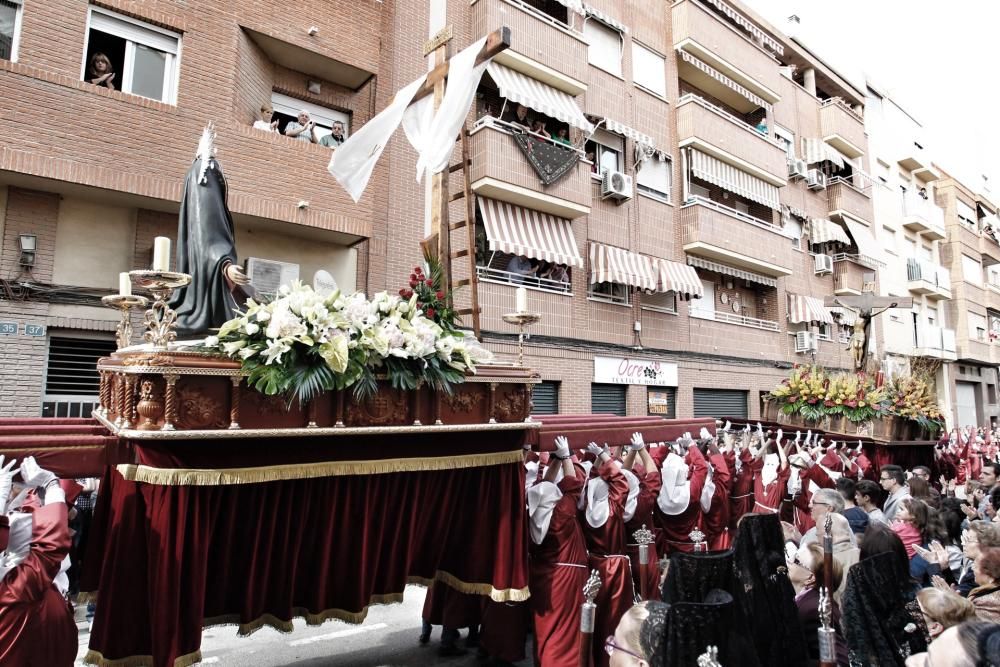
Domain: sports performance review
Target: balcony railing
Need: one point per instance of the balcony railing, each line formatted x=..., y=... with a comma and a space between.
x=929, y=272
x=849, y=273
x=847, y=197
x=508, y=278
x=738, y=320
x=934, y=338
x=739, y=215
x=842, y=127
x=922, y=215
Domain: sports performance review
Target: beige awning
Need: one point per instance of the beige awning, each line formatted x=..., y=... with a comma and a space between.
x=521, y=231
x=605, y=19
x=574, y=5
x=745, y=23
x=612, y=125
x=728, y=177
x=680, y=279
x=817, y=150
x=868, y=247
x=822, y=230
x=543, y=98
x=722, y=78
x=847, y=316
x=807, y=309
x=709, y=265
x=609, y=264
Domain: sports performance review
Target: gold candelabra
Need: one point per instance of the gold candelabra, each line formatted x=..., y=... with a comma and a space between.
x=124, y=303
x=522, y=320
x=160, y=318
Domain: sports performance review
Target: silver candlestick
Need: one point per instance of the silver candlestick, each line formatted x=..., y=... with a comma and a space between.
x=160, y=318
x=124, y=303
x=521, y=320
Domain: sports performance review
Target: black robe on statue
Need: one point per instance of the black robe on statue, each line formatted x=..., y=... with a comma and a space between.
x=205, y=246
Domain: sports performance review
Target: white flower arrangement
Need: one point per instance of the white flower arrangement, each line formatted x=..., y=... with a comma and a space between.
x=301, y=344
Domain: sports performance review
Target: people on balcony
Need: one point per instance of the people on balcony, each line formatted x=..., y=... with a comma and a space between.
x=336, y=136
x=521, y=267
x=519, y=116
x=265, y=123
x=562, y=136
x=302, y=128
x=100, y=72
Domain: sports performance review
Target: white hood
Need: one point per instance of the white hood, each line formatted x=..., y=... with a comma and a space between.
x=794, y=481
x=20, y=542
x=633, y=494
x=530, y=473
x=586, y=465
x=598, y=506
x=708, y=491
x=770, y=471
x=542, y=499
x=675, y=494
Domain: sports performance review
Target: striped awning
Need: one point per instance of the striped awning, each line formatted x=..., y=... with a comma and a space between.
x=744, y=23
x=573, y=5
x=847, y=316
x=521, y=89
x=609, y=264
x=722, y=78
x=678, y=278
x=612, y=125
x=822, y=230
x=709, y=265
x=807, y=309
x=817, y=150
x=868, y=247
x=523, y=231
x=730, y=178
x=605, y=19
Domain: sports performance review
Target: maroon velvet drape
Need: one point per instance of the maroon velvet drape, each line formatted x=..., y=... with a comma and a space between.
x=178, y=557
x=907, y=456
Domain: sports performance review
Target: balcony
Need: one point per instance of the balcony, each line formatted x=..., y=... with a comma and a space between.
x=934, y=341
x=989, y=246
x=849, y=274
x=500, y=171
x=846, y=199
x=842, y=127
x=738, y=320
x=728, y=138
x=991, y=293
x=706, y=36
x=923, y=216
x=928, y=278
x=972, y=349
x=724, y=235
x=916, y=159
x=541, y=46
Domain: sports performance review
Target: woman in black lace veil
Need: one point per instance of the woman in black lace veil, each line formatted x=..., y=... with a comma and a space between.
x=765, y=594
x=880, y=630
x=694, y=626
x=690, y=576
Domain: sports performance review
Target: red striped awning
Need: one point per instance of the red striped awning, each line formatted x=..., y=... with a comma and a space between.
x=807, y=309
x=609, y=264
x=679, y=278
x=522, y=231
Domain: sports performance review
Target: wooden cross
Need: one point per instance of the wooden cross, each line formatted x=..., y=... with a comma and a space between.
x=865, y=305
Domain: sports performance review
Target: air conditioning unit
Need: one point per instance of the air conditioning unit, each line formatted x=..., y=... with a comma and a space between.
x=267, y=275
x=616, y=185
x=823, y=265
x=816, y=179
x=805, y=341
x=797, y=169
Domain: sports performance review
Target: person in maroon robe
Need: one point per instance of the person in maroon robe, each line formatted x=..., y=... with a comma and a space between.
x=770, y=477
x=36, y=622
x=558, y=561
x=805, y=477
x=641, y=464
x=715, y=518
x=739, y=460
x=603, y=520
x=678, y=506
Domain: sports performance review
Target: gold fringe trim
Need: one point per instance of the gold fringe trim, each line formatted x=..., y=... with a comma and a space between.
x=227, y=476
x=95, y=658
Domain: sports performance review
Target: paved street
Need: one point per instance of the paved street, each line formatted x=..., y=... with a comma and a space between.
x=387, y=637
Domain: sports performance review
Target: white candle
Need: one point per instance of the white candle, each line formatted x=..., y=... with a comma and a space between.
x=161, y=253
x=124, y=284
x=522, y=300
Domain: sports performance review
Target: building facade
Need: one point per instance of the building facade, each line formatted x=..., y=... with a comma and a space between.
x=714, y=190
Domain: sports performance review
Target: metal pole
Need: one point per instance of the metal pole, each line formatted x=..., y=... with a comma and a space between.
x=588, y=613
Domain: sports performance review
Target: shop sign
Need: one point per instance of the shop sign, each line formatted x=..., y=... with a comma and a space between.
x=659, y=402
x=618, y=370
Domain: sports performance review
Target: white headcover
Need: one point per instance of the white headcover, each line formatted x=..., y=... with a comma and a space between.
x=675, y=494
x=586, y=465
x=20, y=542
x=794, y=481
x=530, y=473
x=770, y=471
x=708, y=491
x=598, y=507
x=542, y=499
x=62, y=579
x=633, y=494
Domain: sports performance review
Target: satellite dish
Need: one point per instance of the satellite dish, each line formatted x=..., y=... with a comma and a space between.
x=323, y=283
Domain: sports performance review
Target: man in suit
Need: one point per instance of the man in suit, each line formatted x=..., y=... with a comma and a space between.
x=894, y=482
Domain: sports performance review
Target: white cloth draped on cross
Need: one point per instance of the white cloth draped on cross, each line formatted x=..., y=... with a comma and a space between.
x=432, y=133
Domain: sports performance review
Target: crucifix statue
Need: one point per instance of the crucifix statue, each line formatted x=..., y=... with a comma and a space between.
x=867, y=306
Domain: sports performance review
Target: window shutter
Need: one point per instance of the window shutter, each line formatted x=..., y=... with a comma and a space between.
x=720, y=403
x=608, y=399
x=545, y=398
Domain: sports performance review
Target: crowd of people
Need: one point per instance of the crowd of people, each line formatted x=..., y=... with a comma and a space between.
x=741, y=521
x=303, y=128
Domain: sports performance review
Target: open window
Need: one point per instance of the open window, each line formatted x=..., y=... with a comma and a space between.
x=144, y=58
x=10, y=28
x=610, y=292
x=287, y=108
x=607, y=151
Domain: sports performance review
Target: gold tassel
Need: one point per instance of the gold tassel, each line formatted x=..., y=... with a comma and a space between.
x=228, y=476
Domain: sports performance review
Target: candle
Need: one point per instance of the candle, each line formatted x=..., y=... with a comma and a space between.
x=161, y=253
x=522, y=300
x=124, y=284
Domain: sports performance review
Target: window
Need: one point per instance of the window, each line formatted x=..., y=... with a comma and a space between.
x=793, y=229
x=654, y=176
x=661, y=402
x=972, y=270
x=610, y=292
x=927, y=252
x=608, y=399
x=967, y=215
x=72, y=383
x=605, y=49
x=825, y=331
x=742, y=207
x=977, y=327
x=993, y=275
x=649, y=70
x=787, y=139
x=143, y=57
x=664, y=302
x=287, y=108
x=704, y=308
x=889, y=239
x=698, y=190
x=10, y=28
x=608, y=150
x=991, y=394
x=545, y=398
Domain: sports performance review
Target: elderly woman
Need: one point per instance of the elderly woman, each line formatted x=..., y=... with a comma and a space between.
x=971, y=643
x=639, y=637
x=943, y=609
x=807, y=572
x=985, y=597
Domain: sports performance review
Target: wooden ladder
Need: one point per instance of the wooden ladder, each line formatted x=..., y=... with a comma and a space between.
x=469, y=223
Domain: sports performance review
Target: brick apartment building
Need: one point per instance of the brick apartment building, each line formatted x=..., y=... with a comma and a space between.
x=716, y=158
